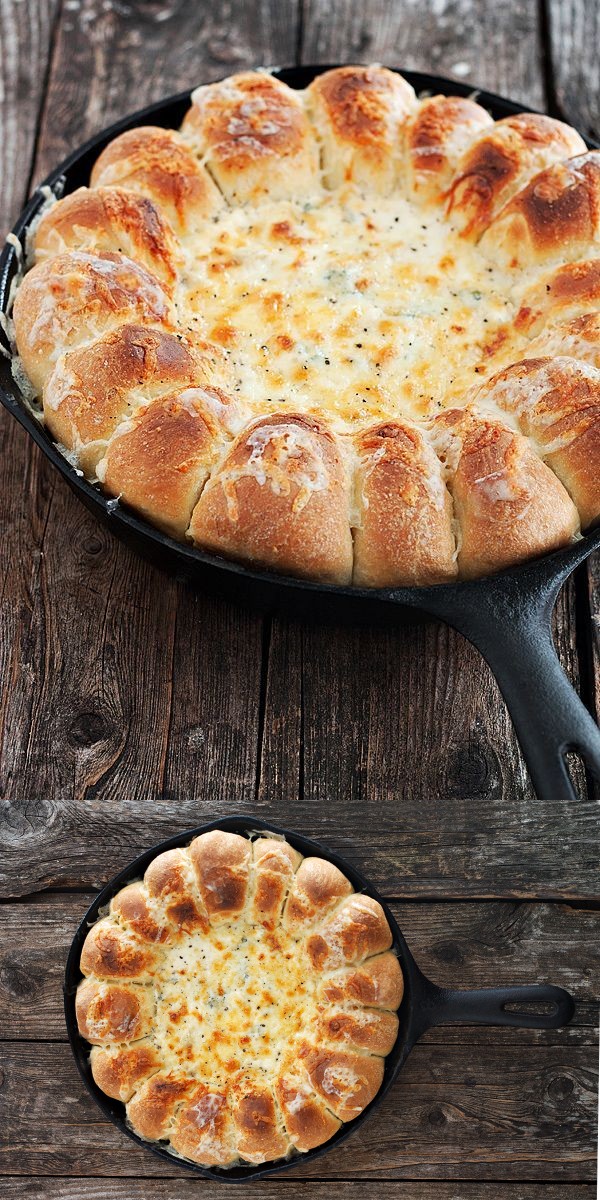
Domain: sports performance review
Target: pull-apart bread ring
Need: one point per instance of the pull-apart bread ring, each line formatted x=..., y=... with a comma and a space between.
x=240, y=1000
x=300, y=333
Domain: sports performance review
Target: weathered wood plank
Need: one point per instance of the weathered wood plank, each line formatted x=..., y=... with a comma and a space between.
x=457, y=945
x=574, y=38
x=25, y=36
x=133, y=703
x=180, y=1189
x=522, y=1113
x=494, y=46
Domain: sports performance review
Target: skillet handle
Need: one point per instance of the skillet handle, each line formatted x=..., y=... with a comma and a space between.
x=508, y=619
x=488, y=1006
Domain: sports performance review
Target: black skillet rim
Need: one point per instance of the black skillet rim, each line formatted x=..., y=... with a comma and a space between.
x=245, y=825
x=232, y=577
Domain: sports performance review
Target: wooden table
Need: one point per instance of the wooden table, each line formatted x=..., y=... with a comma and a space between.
x=134, y=707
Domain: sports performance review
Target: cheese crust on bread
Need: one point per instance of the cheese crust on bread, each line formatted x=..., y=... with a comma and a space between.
x=250, y=330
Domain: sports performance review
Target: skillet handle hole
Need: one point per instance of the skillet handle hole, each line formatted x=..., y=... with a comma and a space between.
x=531, y=1008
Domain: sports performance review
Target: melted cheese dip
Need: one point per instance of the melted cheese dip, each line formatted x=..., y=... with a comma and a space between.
x=363, y=308
x=232, y=1000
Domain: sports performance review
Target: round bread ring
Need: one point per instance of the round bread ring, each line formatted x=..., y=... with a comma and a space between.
x=280, y=499
x=358, y=114
x=404, y=528
x=325, y=1066
x=67, y=301
x=555, y=216
x=91, y=391
x=159, y=163
x=497, y=479
x=293, y=493
x=557, y=403
x=437, y=135
x=110, y=219
x=254, y=136
x=501, y=161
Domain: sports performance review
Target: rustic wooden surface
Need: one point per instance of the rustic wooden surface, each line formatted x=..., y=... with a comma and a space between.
x=133, y=706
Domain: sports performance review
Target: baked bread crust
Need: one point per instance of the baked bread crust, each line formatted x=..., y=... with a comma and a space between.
x=302, y=976
x=224, y=426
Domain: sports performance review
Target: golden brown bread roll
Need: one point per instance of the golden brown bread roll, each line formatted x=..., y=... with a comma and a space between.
x=253, y=134
x=556, y=216
x=119, y=1070
x=577, y=338
x=158, y=163
x=75, y=298
x=159, y=461
x=377, y=983
x=403, y=531
x=358, y=114
x=91, y=391
x=308, y=1120
x=240, y=1000
x=437, y=135
x=557, y=404
x=110, y=1013
x=499, y=163
x=280, y=499
x=222, y=865
x=110, y=220
x=567, y=292
x=508, y=503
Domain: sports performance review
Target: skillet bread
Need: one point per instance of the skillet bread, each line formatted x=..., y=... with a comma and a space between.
x=239, y=1000
x=346, y=334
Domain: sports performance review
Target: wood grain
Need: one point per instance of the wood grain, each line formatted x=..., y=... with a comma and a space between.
x=574, y=63
x=457, y=945
x=25, y=37
x=181, y=1189
x=522, y=1113
x=495, y=44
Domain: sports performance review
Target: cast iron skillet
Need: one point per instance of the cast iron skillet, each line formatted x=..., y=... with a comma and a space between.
x=507, y=616
x=423, y=1006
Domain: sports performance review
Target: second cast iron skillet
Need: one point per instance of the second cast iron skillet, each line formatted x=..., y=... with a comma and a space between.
x=506, y=616
x=423, y=1006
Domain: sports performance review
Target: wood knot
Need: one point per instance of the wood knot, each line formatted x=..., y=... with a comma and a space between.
x=436, y=1116
x=448, y=952
x=88, y=728
x=560, y=1087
